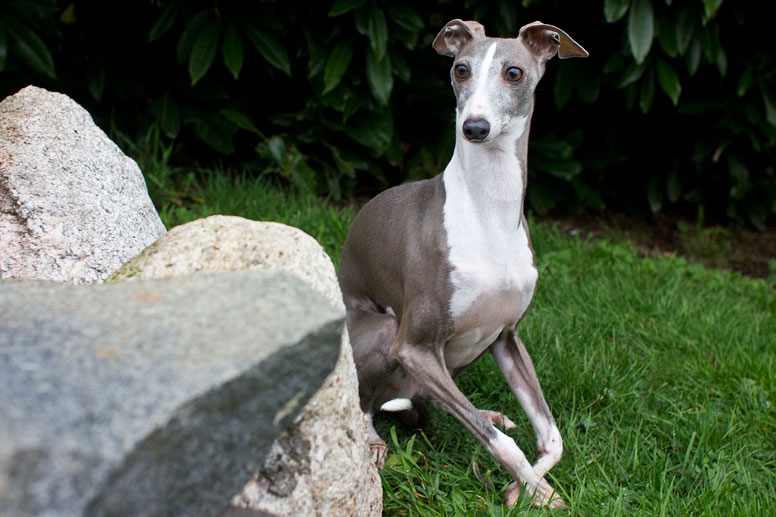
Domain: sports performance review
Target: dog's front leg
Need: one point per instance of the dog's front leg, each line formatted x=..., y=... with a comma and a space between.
x=515, y=364
x=427, y=365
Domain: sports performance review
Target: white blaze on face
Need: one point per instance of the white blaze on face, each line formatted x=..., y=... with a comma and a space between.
x=477, y=104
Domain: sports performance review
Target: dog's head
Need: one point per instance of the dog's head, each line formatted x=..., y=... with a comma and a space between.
x=494, y=78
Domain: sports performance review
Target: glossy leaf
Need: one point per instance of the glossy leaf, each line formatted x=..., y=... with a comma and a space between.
x=31, y=49
x=712, y=49
x=404, y=16
x=302, y=175
x=344, y=166
x=667, y=39
x=215, y=130
x=380, y=77
x=560, y=168
x=655, y=194
x=555, y=148
x=641, y=29
x=588, y=194
x=362, y=21
x=190, y=34
x=614, y=10
x=721, y=61
x=168, y=114
x=337, y=98
x=400, y=67
x=372, y=130
x=352, y=105
x=684, y=25
x=540, y=198
x=710, y=8
x=770, y=108
x=632, y=74
x=277, y=148
x=317, y=59
x=67, y=16
x=673, y=186
x=164, y=22
x=270, y=49
x=232, y=50
x=241, y=120
x=377, y=30
x=740, y=176
x=693, y=57
x=204, y=51
x=745, y=82
x=344, y=6
x=337, y=65
x=564, y=84
x=410, y=40
x=669, y=81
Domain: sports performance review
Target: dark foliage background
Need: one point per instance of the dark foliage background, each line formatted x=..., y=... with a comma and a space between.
x=674, y=109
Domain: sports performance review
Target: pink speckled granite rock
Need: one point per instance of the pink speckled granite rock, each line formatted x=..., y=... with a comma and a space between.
x=73, y=207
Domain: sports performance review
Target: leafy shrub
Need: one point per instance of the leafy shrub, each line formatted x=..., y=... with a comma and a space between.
x=674, y=108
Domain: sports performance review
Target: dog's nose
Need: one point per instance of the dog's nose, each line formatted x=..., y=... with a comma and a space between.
x=476, y=129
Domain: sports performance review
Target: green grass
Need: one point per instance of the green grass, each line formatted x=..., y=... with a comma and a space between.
x=661, y=376
x=259, y=200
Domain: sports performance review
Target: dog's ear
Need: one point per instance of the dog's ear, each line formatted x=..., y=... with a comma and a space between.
x=547, y=40
x=455, y=35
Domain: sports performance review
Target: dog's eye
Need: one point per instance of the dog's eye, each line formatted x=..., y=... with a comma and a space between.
x=461, y=71
x=513, y=74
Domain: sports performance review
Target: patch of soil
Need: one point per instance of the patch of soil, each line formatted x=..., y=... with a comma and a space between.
x=732, y=248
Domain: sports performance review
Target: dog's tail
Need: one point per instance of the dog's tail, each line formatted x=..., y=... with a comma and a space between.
x=412, y=413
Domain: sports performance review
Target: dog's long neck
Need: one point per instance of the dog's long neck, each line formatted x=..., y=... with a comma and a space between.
x=493, y=173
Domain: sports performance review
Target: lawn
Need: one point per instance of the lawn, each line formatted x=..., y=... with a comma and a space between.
x=660, y=374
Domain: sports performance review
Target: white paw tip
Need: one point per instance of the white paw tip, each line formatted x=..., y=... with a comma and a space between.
x=397, y=405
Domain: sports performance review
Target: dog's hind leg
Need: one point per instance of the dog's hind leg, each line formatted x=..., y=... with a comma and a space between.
x=371, y=334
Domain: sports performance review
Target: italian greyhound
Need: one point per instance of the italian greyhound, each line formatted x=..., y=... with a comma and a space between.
x=434, y=273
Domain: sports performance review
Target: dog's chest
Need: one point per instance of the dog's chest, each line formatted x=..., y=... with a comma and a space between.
x=492, y=277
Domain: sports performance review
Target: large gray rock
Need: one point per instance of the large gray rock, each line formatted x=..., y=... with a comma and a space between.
x=73, y=207
x=321, y=465
x=154, y=397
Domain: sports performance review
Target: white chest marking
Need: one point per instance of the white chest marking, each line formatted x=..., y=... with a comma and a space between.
x=486, y=257
x=493, y=275
x=489, y=248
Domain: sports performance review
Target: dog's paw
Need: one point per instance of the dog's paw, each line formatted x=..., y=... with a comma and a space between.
x=512, y=493
x=379, y=453
x=498, y=419
x=544, y=495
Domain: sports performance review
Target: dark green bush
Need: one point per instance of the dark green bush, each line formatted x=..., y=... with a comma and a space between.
x=675, y=108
